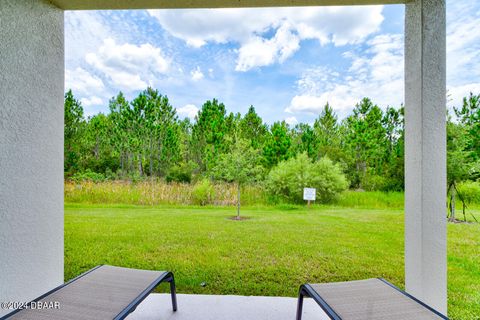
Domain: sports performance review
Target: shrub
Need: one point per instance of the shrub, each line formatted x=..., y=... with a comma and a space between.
x=88, y=176
x=179, y=174
x=289, y=177
x=203, y=193
x=470, y=191
x=372, y=182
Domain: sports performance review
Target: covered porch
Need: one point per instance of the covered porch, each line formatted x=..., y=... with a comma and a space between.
x=31, y=161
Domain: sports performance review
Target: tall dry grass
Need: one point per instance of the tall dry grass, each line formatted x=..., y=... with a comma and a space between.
x=157, y=193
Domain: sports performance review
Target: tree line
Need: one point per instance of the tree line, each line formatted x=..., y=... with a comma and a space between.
x=145, y=138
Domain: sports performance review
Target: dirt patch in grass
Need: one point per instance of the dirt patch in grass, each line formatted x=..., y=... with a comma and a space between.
x=235, y=218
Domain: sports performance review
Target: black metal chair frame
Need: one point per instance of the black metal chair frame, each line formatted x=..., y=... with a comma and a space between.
x=164, y=277
x=307, y=291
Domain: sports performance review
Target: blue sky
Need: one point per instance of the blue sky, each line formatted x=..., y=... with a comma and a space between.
x=287, y=62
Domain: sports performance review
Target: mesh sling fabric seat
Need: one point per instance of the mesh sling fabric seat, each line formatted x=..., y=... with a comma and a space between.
x=104, y=292
x=371, y=299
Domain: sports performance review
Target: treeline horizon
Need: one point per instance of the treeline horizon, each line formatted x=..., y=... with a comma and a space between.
x=146, y=138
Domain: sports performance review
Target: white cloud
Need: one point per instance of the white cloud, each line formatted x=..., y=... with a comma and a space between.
x=341, y=98
x=291, y=121
x=128, y=66
x=210, y=73
x=82, y=82
x=463, y=48
x=92, y=101
x=84, y=32
x=249, y=28
x=197, y=27
x=89, y=88
x=377, y=73
x=259, y=52
x=457, y=93
x=188, y=111
x=196, y=74
x=338, y=25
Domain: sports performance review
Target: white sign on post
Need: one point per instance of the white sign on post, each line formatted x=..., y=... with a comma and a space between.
x=309, y=194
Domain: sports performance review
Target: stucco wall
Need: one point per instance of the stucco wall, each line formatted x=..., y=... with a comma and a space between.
x=31, y=148
x=425, y=152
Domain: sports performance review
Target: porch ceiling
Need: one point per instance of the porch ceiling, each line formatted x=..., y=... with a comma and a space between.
x=211, y=307
x=169, y=4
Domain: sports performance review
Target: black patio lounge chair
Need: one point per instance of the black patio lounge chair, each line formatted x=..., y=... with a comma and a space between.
x=104, y=292
x=371, y=299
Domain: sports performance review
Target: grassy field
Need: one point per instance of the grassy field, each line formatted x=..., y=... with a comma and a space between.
x=271, y=253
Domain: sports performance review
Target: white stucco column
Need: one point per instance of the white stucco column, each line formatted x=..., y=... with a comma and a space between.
x=31, y=148
x=425, y=152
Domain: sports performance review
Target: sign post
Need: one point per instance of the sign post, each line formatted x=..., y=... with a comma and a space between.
x=309, y=194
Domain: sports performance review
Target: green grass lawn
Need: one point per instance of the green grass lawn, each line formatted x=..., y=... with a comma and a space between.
x=271, y=253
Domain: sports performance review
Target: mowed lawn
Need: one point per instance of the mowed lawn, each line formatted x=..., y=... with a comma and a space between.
x=271, y=253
